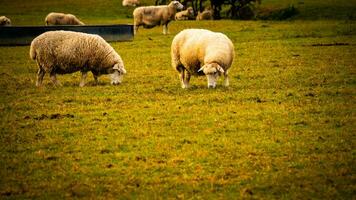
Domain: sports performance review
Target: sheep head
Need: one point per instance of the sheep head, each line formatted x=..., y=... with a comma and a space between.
x=117, y=74
x=190, y=11
x=176, y=5
x=212, y=72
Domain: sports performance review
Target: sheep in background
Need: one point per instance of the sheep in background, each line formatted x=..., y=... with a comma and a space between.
x=205, y=15
x=133, y=3
x=151, y=16
x=202, y=52
x=62, y=19
x=185, y=14
x=62, y=52
x=4, y=21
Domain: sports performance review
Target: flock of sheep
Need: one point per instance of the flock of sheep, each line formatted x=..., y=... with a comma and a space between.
x=51, y=19
x=194, y=52
x=151, y=16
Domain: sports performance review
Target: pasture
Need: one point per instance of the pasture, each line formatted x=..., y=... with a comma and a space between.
x=284, y=129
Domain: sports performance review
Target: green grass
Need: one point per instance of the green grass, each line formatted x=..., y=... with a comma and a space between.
x=112, y=12
x=284, y=129
x=315, y=9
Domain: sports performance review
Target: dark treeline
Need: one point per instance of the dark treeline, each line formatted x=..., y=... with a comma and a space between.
x=237, y=9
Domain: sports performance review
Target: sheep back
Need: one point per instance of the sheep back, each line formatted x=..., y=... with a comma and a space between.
x=130, y=2
x=195, y=47
x=152, y=15
x=4, y=21
x=64, y=52
x=205, y=15
x=185, y=14
x=62, y=19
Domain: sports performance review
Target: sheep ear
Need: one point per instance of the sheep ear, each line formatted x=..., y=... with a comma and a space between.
x=206, y=69
x=202, y=68
x=220, y=69
x=116, y=66
x=122, y=70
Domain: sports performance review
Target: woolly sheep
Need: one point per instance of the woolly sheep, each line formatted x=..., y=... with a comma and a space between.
x=151, y=16
x=130, y=3
x=62, y=52
x=201, y=52
x=205, y=15
x=54, y=18
x=4, y=21
x=185, y=14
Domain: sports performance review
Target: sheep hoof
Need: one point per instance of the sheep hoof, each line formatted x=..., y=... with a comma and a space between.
x=211, y=86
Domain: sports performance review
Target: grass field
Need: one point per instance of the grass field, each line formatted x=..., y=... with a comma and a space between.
x=284, y=129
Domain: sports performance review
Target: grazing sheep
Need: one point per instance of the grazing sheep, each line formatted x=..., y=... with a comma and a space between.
x=133, y=3
x=151, y=16
x=62, y=52
x=62, y=19
x=205, y=15
x=202, y=52
x=185, y=14
x=4, y=21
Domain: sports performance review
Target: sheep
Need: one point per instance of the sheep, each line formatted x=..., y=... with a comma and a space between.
x=54, y=18
x=151, y=16
x=63, y=52
x=205, y=15
x=201, y=52
x=133, y=3
x=4, y=21
x=185, y=15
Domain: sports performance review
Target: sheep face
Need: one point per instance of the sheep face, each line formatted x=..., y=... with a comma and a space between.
x=177, y=5
x=190, y=11
x=212, y=72
x=117, y=74
x=5, y=21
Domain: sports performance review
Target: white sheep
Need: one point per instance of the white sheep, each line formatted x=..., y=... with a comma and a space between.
x=4, y=21
x=62, y=52
x=133, y=3
x=202, y=52
x=54, y=18
x=151, y=16
x=205, y=15
x=185, y=14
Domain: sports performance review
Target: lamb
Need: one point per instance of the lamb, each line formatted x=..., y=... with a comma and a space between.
x=54, y=18
x=202, y=52
x=185, y=14
x=133, y=3
x=205, y=15
x=151, y=16
x=63, y=52
x=4, y=21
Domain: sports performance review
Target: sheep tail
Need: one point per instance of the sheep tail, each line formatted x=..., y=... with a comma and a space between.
x=32, y=52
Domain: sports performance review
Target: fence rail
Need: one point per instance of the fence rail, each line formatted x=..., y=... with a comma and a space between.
x=23, y=35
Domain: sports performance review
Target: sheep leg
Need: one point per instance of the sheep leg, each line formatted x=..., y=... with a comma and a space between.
x=184, y=78
x=187, y=79
x=54, y=79
x=165, y=29
x=96, y=79
x=82, y=80
x=135, y=28
x=40, y=75
x=226, y=79
x=95, y=75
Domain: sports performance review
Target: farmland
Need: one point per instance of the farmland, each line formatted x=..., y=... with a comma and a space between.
x=284, y=129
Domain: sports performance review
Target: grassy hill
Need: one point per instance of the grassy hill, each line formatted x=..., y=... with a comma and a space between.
x=284, y=129
x=111, y=11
